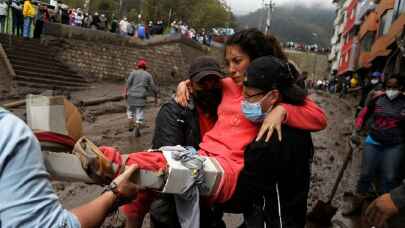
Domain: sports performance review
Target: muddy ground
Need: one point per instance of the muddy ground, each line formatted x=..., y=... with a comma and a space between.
x=111, y=129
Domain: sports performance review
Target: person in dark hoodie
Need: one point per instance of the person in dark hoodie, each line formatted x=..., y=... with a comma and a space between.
x=274, y=183
x=177, y=125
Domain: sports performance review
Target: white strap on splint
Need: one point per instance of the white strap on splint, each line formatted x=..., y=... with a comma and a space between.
x=177, y=173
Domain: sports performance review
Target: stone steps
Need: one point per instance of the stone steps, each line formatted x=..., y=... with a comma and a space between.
x=43, y=69
x=36, y=65
x=18, y=53
x=50, y=77
x=32, y=85
x=51, y=83
x=22, y=61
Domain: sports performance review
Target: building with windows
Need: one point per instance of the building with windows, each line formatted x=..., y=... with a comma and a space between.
x=349, y=33
x=372, y=34
x=336, y=41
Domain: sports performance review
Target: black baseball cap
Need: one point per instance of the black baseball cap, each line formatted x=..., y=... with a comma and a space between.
x=268, y=73
x=204, y=66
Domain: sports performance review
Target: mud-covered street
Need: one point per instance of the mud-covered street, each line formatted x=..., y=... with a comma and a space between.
x=106, y=124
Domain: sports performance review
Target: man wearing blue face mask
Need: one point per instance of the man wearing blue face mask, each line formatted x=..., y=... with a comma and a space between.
x=274, y=184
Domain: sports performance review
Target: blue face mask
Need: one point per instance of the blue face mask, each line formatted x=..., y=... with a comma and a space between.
x=254, y=111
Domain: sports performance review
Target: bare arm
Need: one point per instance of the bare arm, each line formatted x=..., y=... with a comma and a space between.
x=93, y=214
x=308, y=116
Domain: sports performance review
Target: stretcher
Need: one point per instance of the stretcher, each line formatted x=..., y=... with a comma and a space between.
x=69, y=156
x=87, y=164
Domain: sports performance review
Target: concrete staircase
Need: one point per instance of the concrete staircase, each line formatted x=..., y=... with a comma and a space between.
x=37, y=67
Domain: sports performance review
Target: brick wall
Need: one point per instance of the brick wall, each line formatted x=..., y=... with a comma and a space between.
x=316, y=65
x=105, y=56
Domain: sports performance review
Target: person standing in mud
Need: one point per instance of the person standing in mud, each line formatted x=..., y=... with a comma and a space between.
x=139, y=84
x=177, y=125
x=384, y=144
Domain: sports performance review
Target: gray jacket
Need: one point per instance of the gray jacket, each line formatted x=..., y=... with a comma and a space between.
x=140, y=84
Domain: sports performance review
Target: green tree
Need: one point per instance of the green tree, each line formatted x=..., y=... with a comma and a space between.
x=107, y=7
x=74, y=3
x=199, y=14
x=209, y=14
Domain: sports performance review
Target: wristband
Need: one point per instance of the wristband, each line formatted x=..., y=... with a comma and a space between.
x=113, y=187
x=120, y=199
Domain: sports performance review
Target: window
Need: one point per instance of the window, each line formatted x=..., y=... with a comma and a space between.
x=385, y=23
x=401, y=6
x=367, y=41
x=397, y=8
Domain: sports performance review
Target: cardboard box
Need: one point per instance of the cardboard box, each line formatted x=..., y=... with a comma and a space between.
x=54, y=114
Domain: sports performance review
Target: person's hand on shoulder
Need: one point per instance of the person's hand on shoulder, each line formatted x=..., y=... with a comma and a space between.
x=273, y=121
x=183, y=93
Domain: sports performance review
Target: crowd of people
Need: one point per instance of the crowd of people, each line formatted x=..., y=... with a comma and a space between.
x=306, y=47
x=23, y=15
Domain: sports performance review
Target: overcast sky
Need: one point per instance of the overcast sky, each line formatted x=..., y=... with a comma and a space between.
x=246, y=6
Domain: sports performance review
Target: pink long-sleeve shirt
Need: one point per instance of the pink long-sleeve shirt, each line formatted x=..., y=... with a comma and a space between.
x=227, y=140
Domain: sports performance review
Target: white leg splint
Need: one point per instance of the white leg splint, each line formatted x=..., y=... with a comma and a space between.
x=88, y=164
x=85, y=168
x=177, y=173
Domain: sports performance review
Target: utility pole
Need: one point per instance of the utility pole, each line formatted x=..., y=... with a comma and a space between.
x=269, y=7
x=86, y=6
x=315, y=61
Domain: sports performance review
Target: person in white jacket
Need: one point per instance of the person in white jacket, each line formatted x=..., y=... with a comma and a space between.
x=123, y=25
x=79, y=18
x=3, y=15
